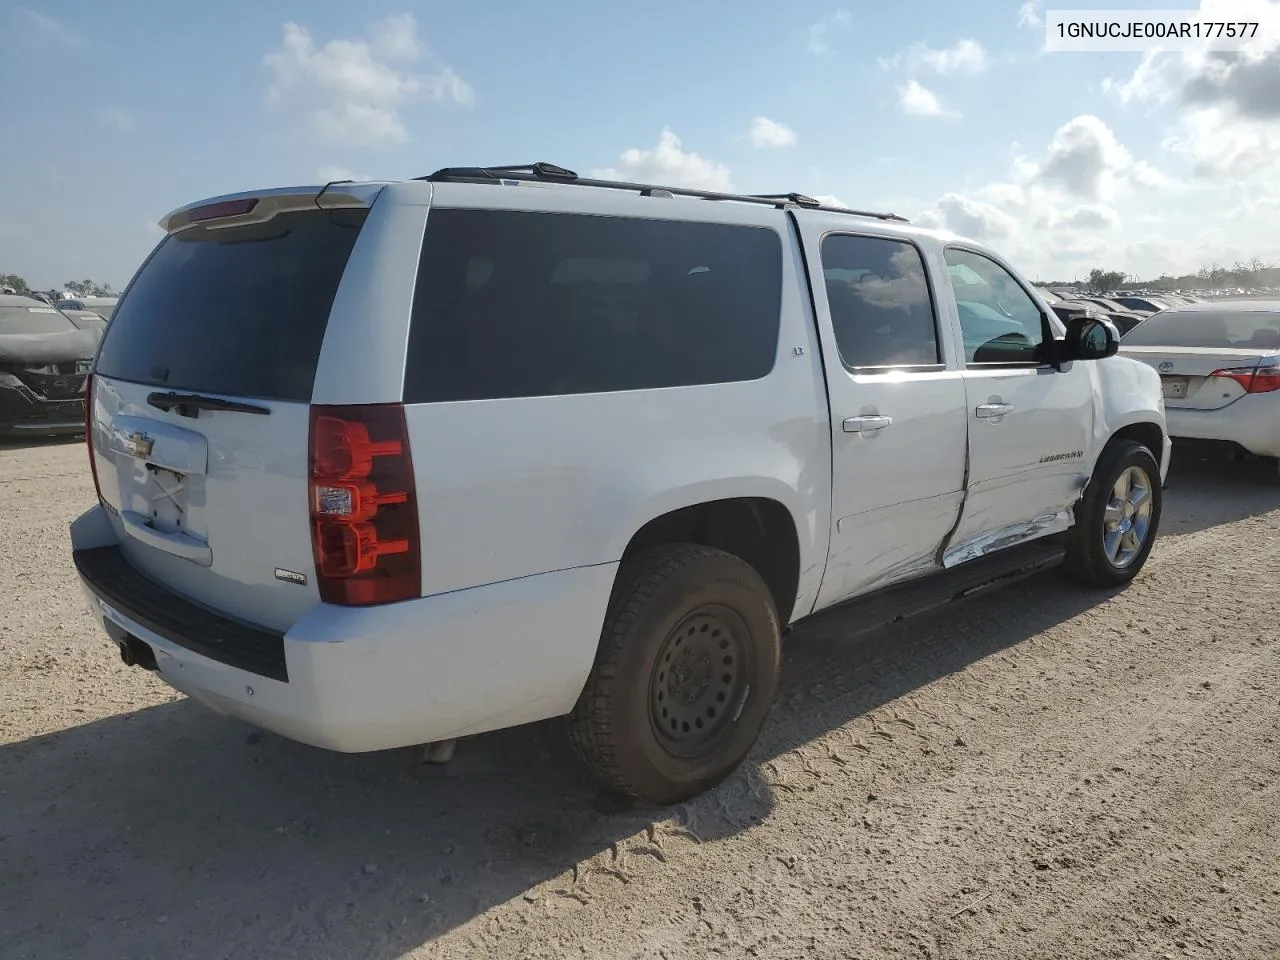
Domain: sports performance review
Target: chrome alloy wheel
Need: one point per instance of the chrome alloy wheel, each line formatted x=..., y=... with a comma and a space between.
x=1126, y=521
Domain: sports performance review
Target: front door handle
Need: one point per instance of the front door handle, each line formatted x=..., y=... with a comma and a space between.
x=866, y=425
x=989, y=411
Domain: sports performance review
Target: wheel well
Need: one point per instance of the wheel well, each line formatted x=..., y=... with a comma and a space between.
x=1148, y=434
x=754, y=529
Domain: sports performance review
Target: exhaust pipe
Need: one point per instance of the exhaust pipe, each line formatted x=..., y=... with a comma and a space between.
x=135, y=653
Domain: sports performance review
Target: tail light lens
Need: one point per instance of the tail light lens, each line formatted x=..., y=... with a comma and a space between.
x=1253, y=379
x=364, y=511
x=88, y=433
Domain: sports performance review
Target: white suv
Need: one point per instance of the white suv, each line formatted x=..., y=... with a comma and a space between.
x=393, y=463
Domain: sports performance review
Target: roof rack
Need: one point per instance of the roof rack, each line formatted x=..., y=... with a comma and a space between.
x=550, y=172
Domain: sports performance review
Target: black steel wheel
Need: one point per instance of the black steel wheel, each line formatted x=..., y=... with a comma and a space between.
x=700, y=677
x=684, y=676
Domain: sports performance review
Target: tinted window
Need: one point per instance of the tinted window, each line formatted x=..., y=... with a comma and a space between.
x=238, y=310
x=1139, y=303
x=515, y=304
x=1000, y=321
x=878, y=294
x=1243, y=329
x=33, y=319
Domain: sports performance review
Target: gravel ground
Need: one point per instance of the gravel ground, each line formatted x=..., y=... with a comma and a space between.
x=1037, y=773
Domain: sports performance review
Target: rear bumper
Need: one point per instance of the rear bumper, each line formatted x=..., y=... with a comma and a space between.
x=360, y=679
x=1252, y=422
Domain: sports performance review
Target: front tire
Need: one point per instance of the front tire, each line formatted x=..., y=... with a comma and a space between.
x=684, y=677
x=1117, y=519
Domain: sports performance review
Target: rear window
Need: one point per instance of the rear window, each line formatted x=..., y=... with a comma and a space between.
x=1246, y=330
x=237, y=310
x=33, y=319
x=516, y=304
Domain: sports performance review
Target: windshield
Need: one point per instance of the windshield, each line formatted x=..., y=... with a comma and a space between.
x=35, y=319
x=1238, y=329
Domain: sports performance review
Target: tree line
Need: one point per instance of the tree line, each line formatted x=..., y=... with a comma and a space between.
x=81, y=288
x=1254, y=272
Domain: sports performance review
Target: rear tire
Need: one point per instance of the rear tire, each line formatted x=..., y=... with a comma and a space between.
x=1117, y=519
x=684, y=677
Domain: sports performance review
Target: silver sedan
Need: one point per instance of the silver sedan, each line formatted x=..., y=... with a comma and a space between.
x=1220, y=366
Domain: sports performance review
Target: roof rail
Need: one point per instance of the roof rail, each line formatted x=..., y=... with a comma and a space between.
x=542, y=171
x=809, y=203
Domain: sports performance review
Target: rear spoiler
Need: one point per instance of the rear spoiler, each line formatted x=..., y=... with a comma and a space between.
x=259, y=206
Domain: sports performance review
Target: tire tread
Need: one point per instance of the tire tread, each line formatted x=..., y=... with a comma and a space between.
x=1081, y=563
x=640, y=577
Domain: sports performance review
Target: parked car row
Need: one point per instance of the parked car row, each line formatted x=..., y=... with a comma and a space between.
x=1124, y=318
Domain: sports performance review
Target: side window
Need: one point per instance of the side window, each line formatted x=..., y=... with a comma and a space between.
x=878, y=295
x=1000, y=321
x=519, y=304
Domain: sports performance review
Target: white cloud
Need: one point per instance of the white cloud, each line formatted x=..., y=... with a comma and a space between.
x=396, y=37
x=1228, y=104
x=920, y=101
x=1061, y=212
x=1085, y=159
x=355, y=89
x=967, y=56
x=830, y=200
x=329, y=173
x=668, y=164
x=820, y=33
x=766, y=133
x=42, y=25
x=1090, y=216
x=117, y=119
x=970, y=217
x=964, y=57
x=1029, y=14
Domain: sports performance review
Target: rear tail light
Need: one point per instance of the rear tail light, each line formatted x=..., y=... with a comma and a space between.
x=364, y=511
x=88, y=433
x=1253, y=379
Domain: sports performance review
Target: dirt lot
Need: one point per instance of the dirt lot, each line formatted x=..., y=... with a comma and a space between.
x=1040, y=773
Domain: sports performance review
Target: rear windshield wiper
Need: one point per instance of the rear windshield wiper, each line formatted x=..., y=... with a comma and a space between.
x=190, y=404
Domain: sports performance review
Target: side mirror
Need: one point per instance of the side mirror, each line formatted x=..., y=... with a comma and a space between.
x=1089, y=338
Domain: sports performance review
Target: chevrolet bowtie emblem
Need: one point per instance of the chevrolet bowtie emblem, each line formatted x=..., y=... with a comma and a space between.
x=138, y=445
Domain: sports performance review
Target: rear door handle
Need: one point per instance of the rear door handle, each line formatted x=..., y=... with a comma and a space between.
x=866, y=425
x=987, y=411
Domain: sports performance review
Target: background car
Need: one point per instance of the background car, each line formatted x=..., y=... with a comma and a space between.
x=44, y=358
x=1147, y=305
x=102, y=306
x=89, y=319
x=1124, y=319
x=1219, y=363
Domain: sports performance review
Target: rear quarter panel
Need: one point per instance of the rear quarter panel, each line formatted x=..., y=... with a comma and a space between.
x=515, y=487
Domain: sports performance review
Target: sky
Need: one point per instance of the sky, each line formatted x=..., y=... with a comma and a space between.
x=950, y=113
